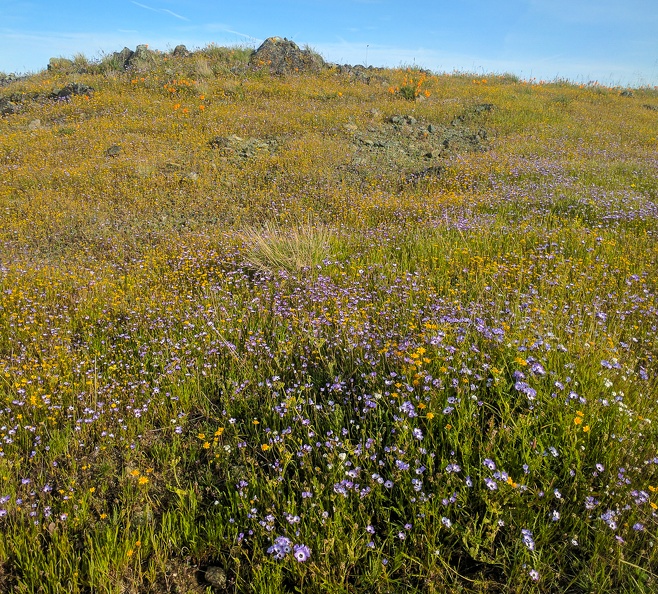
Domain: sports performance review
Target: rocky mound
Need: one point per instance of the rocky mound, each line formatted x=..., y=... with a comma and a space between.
x=283, y=56
x=127, y=58
x=415, y=148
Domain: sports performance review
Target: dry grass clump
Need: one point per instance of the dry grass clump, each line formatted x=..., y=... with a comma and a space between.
x=275, y=247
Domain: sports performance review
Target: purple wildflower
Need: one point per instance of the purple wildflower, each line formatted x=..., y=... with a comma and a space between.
x=301, y=553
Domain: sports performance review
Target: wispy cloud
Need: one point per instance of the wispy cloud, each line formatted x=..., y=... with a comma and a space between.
x=144, y=6
x=182, y=18
x=161, y=10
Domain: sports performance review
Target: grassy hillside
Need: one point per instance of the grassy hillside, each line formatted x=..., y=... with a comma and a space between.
x=356, y=331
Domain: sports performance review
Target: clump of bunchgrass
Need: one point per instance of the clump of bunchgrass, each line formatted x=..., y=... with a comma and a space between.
x=276, y=247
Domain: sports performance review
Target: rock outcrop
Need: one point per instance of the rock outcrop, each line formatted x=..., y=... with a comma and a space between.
x=127, y=58
x=282, y=56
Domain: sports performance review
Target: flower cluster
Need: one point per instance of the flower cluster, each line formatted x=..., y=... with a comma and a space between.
x=282, y=546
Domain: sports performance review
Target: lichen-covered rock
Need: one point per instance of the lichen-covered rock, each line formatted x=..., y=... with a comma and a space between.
x=180, y=51
x=141, y=58
x=216, y=577
x=282, y=56
x=244, y=148
x=142, y=52
x=73, y=88
x=7, y=79
x=8, y=107
x=113, y=151
x=59, y=64
x=123, y=57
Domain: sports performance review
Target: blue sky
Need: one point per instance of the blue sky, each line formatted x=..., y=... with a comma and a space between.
x=612, y=41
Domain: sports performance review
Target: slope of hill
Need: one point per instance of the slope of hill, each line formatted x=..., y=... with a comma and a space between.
x=348, y=330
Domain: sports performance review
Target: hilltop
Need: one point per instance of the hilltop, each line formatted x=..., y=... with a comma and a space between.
x=277, y=325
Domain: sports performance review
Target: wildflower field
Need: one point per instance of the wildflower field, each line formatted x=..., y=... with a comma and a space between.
x=326, y=333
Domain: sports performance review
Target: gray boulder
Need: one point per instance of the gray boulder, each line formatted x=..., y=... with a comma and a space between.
x=142, y=57
x=142, y=52
x=8, y=107
x=180, y=51
x=123, y=57
x=60, y=64
x=72, y=89
x=282, y=56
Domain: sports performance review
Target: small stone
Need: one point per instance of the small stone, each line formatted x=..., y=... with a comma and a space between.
x=410, y=120
x=219, y=142
x=7, y=107
x=482, y=107
x=34, y=125
x=72, y=89
x=432, y=129
x=216, y=577
x=113, y=151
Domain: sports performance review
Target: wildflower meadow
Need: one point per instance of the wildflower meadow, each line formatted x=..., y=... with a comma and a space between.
x=321, y=332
